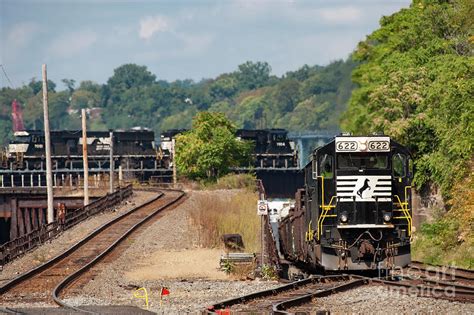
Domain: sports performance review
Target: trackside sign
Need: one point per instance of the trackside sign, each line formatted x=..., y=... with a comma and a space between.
x=262, y=207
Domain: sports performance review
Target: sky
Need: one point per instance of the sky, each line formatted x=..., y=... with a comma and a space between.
x=178, y=39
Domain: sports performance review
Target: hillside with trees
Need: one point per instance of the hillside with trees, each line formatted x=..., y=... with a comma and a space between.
x=310, y=98
x=415, y=82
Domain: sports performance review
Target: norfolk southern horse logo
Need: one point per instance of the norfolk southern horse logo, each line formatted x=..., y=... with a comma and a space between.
x=363, y=188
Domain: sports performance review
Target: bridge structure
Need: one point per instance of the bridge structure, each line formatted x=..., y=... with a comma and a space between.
x=307, y=141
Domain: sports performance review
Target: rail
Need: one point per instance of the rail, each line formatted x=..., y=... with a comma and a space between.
x=21, y=245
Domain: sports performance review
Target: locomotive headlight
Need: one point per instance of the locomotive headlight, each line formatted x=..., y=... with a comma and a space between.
x=343, y=218
x=387, y=217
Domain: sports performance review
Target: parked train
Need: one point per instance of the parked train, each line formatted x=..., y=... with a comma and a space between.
x=134, y=149
x=272, y=149
x=354, y=212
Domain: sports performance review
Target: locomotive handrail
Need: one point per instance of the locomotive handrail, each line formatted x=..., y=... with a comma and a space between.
x=326, y=208
x=406, y=211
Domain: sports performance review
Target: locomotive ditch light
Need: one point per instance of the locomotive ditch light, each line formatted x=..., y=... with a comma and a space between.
x=387, y=217
x=343, y=217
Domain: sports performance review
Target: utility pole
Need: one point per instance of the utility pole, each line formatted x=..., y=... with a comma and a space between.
x=173, y=143
x=111, y=162
x=47, y=142
x=84, y=158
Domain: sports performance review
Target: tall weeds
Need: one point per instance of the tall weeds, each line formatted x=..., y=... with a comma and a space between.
x=217, y=213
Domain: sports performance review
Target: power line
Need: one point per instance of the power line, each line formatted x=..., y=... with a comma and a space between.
x=6, y=76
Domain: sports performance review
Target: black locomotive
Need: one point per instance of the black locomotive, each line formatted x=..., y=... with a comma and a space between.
x=273, y=149
x=354, y=212
x=132, y=149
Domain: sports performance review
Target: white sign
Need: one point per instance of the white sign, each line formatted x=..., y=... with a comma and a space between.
x=262, y=207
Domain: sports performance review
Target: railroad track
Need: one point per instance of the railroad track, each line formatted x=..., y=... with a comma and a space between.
x=299, y=296
x=443, y=282
x=278, y=300
x=49, y=281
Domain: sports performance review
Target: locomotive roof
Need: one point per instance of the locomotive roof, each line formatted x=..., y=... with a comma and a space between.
x=65, y=134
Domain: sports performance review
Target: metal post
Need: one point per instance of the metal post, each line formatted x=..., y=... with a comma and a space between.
x=84, y=158
x=31, y=180
x=263, y=240
x=12, y=180
x=173, y=151
x=22, y=180
x=120, y=175
x=47, y=142
x=111, y=163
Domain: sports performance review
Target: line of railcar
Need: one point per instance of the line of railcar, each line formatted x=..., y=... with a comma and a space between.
x=133, y=149
x=354, y=211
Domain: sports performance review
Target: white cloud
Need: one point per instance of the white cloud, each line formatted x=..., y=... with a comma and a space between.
x=151, y=25
x=72, y=43
x=340, y=15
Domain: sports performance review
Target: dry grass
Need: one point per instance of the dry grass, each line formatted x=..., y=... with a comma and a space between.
x=217, y=213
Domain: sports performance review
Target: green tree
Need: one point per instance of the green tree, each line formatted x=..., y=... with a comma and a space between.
x=210, y=148
x=253, y=75
x=37, y=86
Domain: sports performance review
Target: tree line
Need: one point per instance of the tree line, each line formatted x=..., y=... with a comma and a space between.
x=310, y=98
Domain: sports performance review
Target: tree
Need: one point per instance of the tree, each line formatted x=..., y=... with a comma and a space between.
x=253, y=75
x=37, y=86
x=129, y=76
x=69, y=83
x=210, y=148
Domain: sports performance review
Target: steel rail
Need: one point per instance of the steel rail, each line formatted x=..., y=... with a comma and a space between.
x=63, y=284
x=279, y=308
x=271, y=292
x=443, y=270
x=17, y=280
x=438, y=292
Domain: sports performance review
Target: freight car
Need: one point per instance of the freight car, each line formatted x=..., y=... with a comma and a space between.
x=354, y=212
x=134, y=149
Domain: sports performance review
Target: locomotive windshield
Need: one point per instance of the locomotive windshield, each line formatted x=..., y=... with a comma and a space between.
x=362, y=161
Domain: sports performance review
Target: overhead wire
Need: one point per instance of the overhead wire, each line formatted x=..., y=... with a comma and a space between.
x=6, y=76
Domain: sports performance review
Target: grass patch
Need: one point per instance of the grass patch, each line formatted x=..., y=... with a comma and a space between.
x=232, y=181
x=223, y=213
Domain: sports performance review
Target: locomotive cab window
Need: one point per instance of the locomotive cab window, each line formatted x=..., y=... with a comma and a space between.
x=362, y=161
x=399, y=162
x=325, y=164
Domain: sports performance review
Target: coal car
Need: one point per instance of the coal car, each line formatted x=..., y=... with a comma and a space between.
x=354, y=211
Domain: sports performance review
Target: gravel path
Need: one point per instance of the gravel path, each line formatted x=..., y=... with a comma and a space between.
x=190, y=292
x=69, y=237
x=376, y=299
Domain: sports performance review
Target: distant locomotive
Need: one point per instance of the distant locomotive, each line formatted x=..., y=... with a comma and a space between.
x=132, y=149
x=354, y=212
x=273, y=149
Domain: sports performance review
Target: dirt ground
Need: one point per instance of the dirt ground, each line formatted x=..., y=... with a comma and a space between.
x=196, y=263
